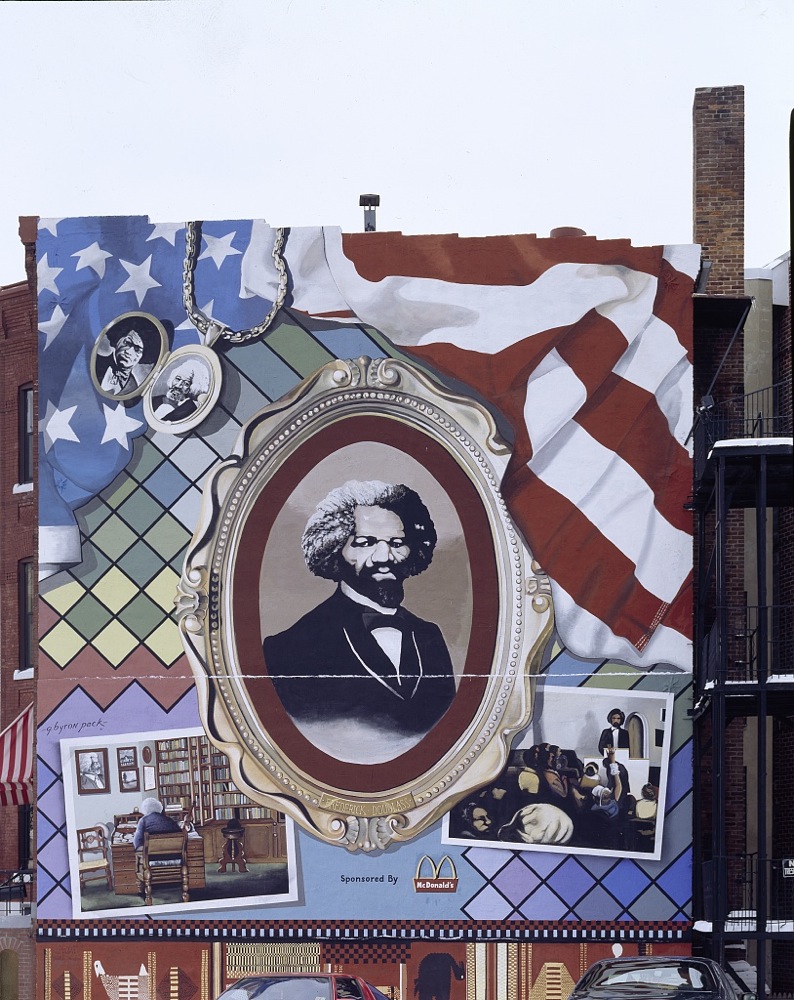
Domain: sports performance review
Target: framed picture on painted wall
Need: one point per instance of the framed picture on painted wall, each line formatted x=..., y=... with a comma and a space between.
x=127, y=757
x=129, y=777
x=400, y=616
x=92, y=771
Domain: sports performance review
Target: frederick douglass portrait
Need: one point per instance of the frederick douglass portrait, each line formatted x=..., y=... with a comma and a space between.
x=361, y=659
x=126, y=355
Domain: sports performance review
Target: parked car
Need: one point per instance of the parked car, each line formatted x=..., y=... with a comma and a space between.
x=302, y=986
x=656, y=977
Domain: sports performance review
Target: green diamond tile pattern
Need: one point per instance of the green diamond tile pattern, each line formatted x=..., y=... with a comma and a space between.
x=115, y=590
x=142, y=616
x=114, y=537
x=140, y=511
x=166, y=642
x=62, y=598
x=94, y=514
x=220, y=433
x=89, y=617
x=168, y=536
x=300, y=350
x=143, y=562
x=163, y=588
x=93, y=567
x=123, y=487
x=251, y=396
x=193, y=458
x=146, y=461
x=178, y=561
x=187, y=507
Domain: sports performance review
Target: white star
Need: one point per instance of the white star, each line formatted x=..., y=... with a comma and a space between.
x=118, y=425
x=46, y=276
x=52, y=327
x=219, y=248
x=93, y=257
x=207, y=310
x=165, y=231
x=51, y=225
x=139, y=281
x=55, y=425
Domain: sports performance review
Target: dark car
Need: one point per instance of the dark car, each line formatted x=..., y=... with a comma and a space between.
x=301, y=986
x=656, y=977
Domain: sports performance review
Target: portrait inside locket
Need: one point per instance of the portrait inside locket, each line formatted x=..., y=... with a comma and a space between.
x=126, y=354
x=181, y=388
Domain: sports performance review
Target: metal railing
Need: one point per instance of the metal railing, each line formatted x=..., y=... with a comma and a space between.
x=731, y=650
x=17, y=890
x=741, y=885
x=765, y=413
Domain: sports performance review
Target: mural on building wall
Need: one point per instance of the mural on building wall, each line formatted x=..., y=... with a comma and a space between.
x=366, y=539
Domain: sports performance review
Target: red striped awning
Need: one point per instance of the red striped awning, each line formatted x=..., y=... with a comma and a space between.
x=16, y=760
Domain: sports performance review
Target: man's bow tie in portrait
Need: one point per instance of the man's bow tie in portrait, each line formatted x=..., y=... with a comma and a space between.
x=376, y=619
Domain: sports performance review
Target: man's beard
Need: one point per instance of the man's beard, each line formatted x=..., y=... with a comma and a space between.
x=386, y=593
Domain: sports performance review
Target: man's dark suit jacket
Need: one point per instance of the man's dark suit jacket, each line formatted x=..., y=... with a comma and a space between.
x=180, y=412
x=319, y=666
x=135, y=380
x=605, y=740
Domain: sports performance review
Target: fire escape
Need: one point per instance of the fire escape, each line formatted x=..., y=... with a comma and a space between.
x=744, y=661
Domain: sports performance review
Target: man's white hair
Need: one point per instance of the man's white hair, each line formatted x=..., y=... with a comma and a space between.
x=149, y=806
x=196, y=372
x=333, y=522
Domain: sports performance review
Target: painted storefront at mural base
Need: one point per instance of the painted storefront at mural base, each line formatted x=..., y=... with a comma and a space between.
x=365, y=617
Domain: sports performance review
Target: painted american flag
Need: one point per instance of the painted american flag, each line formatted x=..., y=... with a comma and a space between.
x=585, y=347
x=16, y=760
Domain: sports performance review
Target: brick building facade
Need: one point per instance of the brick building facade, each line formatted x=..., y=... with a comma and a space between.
x=744, y=554
x=18, y=527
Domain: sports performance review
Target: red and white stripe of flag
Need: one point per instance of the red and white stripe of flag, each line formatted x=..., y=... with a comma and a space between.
x=16, y=760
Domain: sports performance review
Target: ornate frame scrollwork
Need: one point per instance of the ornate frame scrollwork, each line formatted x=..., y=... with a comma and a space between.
x=350, y=811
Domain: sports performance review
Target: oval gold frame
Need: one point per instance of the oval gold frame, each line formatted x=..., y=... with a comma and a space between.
x=261, y=768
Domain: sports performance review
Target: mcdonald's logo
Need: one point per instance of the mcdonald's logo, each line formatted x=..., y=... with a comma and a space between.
x=436, y=882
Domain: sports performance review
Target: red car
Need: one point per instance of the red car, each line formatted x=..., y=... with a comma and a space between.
x=302, y=986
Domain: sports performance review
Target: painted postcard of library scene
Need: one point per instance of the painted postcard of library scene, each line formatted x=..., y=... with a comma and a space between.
x=155, y=825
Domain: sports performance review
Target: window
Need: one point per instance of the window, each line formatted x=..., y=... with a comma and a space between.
x=26, y=434
x=24, y=839
x=27, y=606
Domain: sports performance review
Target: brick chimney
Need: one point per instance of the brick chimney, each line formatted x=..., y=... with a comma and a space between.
x=718, y=203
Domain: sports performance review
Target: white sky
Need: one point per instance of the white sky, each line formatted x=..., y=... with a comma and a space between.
x=464, y=115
